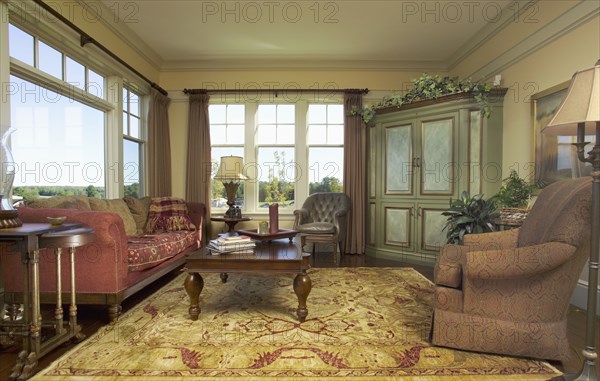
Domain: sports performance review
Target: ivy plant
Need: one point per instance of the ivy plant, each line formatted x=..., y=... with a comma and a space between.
x=430, y=87
x=515, y=192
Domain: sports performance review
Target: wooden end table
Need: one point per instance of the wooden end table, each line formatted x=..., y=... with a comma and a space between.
x=28, y=240
x=230, y=222
x=275, y=258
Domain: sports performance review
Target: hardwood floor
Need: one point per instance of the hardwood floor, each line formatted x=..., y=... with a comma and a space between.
x=93, y=317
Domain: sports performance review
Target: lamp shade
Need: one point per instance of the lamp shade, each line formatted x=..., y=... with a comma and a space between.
x=581, y=105
x=231, y=168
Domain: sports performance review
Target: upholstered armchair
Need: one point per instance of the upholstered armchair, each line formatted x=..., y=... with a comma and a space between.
x=323, y=218
x=508, y=292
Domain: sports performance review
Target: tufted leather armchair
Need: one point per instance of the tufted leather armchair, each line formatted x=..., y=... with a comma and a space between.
x=508, y=292
x=323, y=217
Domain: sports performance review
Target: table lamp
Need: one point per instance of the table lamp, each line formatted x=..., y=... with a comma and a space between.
x=579, y=114
x=231, y=173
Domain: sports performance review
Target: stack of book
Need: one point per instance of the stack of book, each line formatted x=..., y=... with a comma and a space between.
x=240, y=244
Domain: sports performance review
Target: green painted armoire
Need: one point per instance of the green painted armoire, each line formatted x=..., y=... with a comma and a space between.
x=421, y=155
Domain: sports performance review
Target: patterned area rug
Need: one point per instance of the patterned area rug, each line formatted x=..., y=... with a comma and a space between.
x=363, y=323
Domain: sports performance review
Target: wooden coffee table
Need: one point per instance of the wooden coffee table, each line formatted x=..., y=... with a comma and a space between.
x=275, y=258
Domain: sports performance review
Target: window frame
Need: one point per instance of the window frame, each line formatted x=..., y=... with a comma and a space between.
x=69, y=170
x=236, y=146
x=326, y=144
x=251, y=204
x=63, y=39
x=141, y=140
x=273, y=145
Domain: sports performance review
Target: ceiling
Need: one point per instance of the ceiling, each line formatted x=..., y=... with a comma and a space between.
x=385, y=34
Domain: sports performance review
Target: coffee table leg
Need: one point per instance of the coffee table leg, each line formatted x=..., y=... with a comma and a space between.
x=224, y=277
x=302, y=287
x=193, y=286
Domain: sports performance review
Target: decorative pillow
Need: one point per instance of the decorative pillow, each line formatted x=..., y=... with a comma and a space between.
x=116, y=206
x=62, y=202
x=139, y=208
x=168, y=214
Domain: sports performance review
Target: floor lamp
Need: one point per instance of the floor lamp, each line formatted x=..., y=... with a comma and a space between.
x=579, y=114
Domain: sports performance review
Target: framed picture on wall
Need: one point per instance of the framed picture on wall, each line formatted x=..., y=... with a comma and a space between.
x=555, y=157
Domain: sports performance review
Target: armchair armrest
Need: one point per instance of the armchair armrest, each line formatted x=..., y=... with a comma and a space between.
x=448, y=268
x=341, y=220
x=300, y=216
x=519, y=262
x=340, y=213
x=505, y=239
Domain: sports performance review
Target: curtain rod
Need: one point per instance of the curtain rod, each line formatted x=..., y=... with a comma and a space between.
x=84, y=39
x=292, y=90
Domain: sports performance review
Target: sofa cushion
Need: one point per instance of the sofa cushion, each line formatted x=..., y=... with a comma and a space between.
x=168, y=214
x=139, y=208
x=146, y=251
x=119, y=207
x=61, y=202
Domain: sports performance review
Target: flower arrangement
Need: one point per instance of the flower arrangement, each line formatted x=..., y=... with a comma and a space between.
x=430, y=87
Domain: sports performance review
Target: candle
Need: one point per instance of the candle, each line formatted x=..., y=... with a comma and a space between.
x=273, y=218
x=263, y=227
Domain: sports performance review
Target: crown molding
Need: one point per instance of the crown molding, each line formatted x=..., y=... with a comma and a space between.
x=99, y=11
x=560, y=26
x=573, y=18
x=303, y=64
x=488, y=32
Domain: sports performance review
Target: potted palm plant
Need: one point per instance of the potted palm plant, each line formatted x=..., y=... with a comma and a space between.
x=469, y=215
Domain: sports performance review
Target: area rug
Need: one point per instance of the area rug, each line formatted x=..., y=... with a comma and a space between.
x=362, y=324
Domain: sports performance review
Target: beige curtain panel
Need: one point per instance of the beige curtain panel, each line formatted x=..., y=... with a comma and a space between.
x=159, y=145
x=354, y=173
x=199, y=158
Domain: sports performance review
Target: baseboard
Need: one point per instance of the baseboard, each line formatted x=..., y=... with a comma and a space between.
x=580, y=295
x=413, y=258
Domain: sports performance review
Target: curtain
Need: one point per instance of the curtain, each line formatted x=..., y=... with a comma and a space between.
x=354, y=173
x=199, y=159
x=159, y=145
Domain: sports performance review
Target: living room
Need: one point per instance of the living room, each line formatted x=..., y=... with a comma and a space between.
x=254, y=54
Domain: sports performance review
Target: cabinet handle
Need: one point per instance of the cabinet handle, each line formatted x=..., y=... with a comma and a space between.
x=411, y=211
x=417, y=162
x=420, y=212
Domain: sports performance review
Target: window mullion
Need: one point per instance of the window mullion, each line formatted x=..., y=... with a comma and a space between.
x=4, y=65
x=302, y=150
x=114, y=139
x=250, y=153
x=35, y=75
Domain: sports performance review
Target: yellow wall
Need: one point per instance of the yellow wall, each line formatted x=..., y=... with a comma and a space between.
x=379, y=82
x=543, y=68
x=174, y=82
x=374, y=80
x=540, y=69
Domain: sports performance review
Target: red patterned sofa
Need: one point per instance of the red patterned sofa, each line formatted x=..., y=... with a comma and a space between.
x=117, y=264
